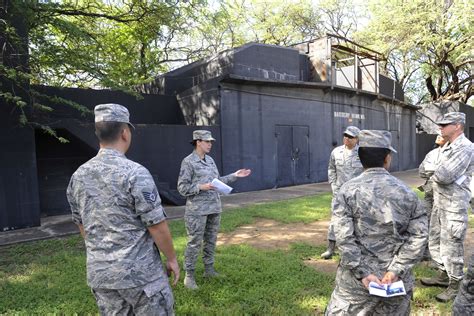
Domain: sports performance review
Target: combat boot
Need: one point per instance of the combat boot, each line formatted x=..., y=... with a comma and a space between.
x=450, y=293
x=210, y=272
x=441, y=279
x=330, y=251
x=189, y=281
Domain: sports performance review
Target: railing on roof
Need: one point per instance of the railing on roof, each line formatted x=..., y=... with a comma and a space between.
x=341, y=62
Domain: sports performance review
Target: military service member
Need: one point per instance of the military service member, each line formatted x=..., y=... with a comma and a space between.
x=344, y=164
x=464, y=302
x=381, y=232
x=116, y=205
x=426, y=170
x=451, y=201
x=203, y=205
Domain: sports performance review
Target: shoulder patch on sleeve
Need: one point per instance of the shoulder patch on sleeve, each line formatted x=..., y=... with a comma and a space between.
x=150, y=197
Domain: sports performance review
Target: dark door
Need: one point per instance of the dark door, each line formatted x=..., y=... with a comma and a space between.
x=292, y=154
x=284, y=140
x=301, y=154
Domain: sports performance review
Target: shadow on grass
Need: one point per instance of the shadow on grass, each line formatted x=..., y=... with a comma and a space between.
x=45, y=277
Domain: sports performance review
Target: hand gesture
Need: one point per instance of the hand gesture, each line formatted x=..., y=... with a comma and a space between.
x=370, y=278
x=242, y=173
x=206, y=187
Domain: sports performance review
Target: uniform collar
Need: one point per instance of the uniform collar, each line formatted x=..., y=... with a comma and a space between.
x=459, y=139
x=378, y=170
x=195, y=156
x=354, y=148
x=457, y=142
x=110, y=152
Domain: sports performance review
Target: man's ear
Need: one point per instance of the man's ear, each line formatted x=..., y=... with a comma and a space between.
x=387, y=161
x=123, y=134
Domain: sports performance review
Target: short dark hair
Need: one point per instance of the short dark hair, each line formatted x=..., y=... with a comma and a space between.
x=108, y=132
x=373, y=157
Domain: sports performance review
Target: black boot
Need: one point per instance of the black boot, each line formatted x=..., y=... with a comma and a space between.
x=441, y=279
x=330, y=251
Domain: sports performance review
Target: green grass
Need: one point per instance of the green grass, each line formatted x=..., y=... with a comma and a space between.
x=45, y=277
x=424, y=297
x=49, y=277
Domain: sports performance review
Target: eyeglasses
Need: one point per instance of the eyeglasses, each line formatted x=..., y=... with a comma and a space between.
x=349, y=136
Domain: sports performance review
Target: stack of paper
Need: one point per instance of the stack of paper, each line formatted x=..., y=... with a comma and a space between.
x=221, y=187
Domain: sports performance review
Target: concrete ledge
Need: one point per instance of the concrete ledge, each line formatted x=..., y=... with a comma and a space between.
x=62, y=225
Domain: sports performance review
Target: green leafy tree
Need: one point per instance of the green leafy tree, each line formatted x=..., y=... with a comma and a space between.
x=113, y=44
x=85, y=43
x=428, y=46
x=231, y=23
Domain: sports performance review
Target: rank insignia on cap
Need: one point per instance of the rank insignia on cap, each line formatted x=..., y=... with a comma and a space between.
x=150, y=197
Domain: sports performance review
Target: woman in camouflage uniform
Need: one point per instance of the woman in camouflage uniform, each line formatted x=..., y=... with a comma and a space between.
x=203, y=205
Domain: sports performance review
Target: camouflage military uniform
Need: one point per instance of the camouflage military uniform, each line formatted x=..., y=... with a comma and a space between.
x=115, y=199
x=203, y=208
x=451, y=202
x=426, y=170
x=380, y=226
x=464, y=302
x=344, y=164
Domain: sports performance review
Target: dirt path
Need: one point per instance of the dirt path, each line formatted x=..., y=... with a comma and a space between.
x=270, y=234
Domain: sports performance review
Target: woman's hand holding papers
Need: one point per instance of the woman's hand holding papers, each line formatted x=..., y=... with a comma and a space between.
x=206, y=187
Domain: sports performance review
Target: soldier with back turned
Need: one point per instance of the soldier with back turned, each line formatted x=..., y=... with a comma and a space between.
x=381, y=232
x=116, y=205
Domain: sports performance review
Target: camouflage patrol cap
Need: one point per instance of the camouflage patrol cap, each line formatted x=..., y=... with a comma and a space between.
x=452, y=118
x=374, y=138
x=201, y=134
x=352, y=131
x=112, y=112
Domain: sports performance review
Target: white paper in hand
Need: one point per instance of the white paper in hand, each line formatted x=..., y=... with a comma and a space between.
x=221, y=187
x=385, y=290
